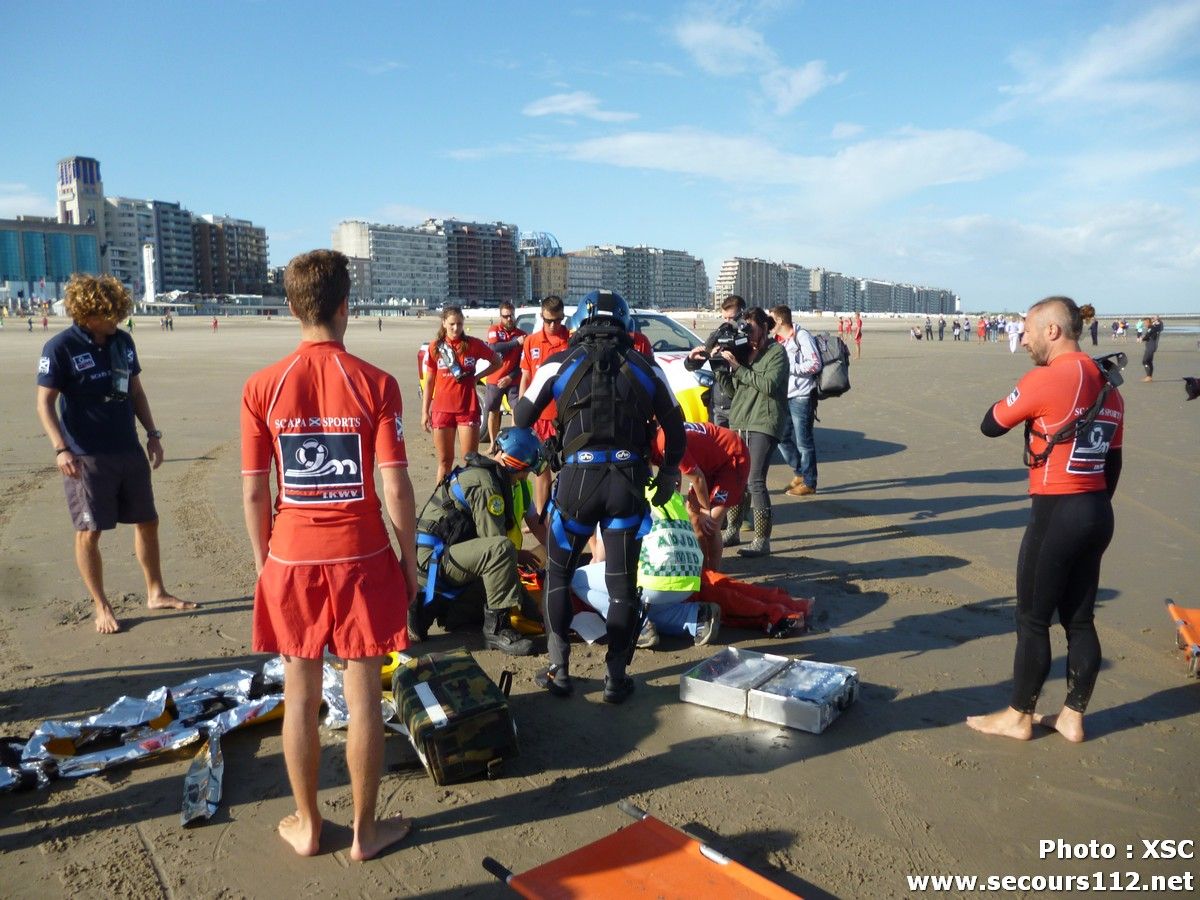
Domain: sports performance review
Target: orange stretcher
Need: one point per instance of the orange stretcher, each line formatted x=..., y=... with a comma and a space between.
x=646, y=859
x=1188, y=636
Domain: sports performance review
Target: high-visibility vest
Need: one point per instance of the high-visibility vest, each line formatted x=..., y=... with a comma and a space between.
x=671, y=558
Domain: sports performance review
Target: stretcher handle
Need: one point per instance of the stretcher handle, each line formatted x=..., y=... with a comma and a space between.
x=632, y=810
x=497, y=869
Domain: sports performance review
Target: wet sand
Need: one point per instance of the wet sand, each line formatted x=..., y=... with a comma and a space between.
x=909, y=549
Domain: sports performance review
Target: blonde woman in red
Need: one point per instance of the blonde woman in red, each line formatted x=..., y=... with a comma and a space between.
x=451, y=404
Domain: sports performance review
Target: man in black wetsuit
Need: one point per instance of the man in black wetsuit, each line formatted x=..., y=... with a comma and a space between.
x=1074, y=422
x=606, y=394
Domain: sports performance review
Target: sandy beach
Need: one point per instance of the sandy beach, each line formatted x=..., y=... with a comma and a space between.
x=909, y=549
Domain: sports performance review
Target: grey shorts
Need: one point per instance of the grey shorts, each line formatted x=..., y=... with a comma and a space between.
x=491, y=398
x=111, y=488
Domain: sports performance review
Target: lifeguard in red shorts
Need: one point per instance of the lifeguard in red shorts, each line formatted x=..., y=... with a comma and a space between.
x=327, y=575
x=451, y=403
x=717, y=463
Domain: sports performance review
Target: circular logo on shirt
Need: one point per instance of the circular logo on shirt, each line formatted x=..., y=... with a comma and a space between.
x=495, y=504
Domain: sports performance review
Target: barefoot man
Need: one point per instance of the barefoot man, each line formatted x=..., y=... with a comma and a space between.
x=327, y=574
x=89, y=394
x=1074, y=431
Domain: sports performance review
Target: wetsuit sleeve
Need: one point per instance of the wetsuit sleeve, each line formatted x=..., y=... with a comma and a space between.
x=539, y=394
x=1112, y=470
x=990, y=427
x=670, y=419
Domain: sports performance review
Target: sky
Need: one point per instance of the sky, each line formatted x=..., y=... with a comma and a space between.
x=1005, y=150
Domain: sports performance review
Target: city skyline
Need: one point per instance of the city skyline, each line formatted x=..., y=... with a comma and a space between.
x=1019, y=151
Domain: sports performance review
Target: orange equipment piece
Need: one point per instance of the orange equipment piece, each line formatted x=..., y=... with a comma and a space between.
x=646, y=859
x=1188, y=636
x=745, y=605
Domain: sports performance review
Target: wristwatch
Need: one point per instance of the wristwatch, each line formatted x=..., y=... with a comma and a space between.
x=156, y=434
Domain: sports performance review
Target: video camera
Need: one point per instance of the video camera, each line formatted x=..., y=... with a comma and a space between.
x=1111, y=365
x=734, y=337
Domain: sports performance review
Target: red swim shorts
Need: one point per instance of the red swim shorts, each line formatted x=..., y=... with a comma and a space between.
x=544, y=428
x=357, y=609
x=438, y=419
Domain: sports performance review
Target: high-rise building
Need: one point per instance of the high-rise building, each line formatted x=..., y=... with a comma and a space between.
x=799, y=286
x=547, y=276
x=757, y=281
x=38, y=255
x=81, y=193
x=481, y=260
x=174, y=247
x=878, y=296
x=646, y=277
x=402, y=263
x=230, y=255
x=128, y=224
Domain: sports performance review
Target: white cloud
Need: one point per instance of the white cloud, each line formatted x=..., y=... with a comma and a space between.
x=862, y=174
x=378, y=68
x=843, y=130
x=726, y=48
x=1111, y=166
x=18, y=199
x=1118, y=65
x=791, y=87
x=576, y=103
x=722, y=49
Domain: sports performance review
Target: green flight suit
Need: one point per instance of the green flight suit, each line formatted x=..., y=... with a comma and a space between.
x=488, y=560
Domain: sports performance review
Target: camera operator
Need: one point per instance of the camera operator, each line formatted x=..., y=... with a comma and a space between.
x=757, y=379
x=732, y=309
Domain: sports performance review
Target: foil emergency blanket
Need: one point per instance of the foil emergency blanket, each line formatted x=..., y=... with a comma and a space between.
x=204, y=709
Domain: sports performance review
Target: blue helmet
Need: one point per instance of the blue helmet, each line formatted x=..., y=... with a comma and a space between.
x=601, y=305
x=519, y=449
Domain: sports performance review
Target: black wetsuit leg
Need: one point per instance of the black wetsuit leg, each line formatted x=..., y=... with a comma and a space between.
x=591, y=496
x=1148, y=356
x=1058, y=570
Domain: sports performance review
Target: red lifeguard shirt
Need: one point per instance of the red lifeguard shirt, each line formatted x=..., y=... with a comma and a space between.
x=539, y=347
x=450, y=395
x=1052, y=397
x=709, y=448
x=509, y=361
x=326, y=418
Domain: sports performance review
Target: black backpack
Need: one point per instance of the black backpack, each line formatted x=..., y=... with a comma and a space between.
x=834, y=379
x=621, y=387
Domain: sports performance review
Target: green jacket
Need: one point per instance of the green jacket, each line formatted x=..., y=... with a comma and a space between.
x=489, y=495
x=759, y=393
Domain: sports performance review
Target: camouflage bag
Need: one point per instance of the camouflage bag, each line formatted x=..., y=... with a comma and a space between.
x=457, y=718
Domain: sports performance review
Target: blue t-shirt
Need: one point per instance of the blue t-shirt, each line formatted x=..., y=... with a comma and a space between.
x=95, y=418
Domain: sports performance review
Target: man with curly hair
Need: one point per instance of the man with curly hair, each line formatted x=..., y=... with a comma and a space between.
x=88, y=397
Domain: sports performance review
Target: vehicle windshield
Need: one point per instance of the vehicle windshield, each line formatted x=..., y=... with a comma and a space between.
x=664, y=333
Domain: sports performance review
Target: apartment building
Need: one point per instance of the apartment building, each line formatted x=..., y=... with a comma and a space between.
x=230, y=255
x=38, y=255
x=483, y=266
x=401, y=262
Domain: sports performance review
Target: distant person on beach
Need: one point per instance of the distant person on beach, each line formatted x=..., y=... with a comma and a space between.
x=214, y=324
x=858, y=329
x=1154, y=328
x=46, y=323
x=928, y=328
x=941, y=328
x=327, y=575
x=450, y=404
x=503, y=380
x=956, y=330
x=1014, y=334
x=89, y=398
x=1073, y=472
